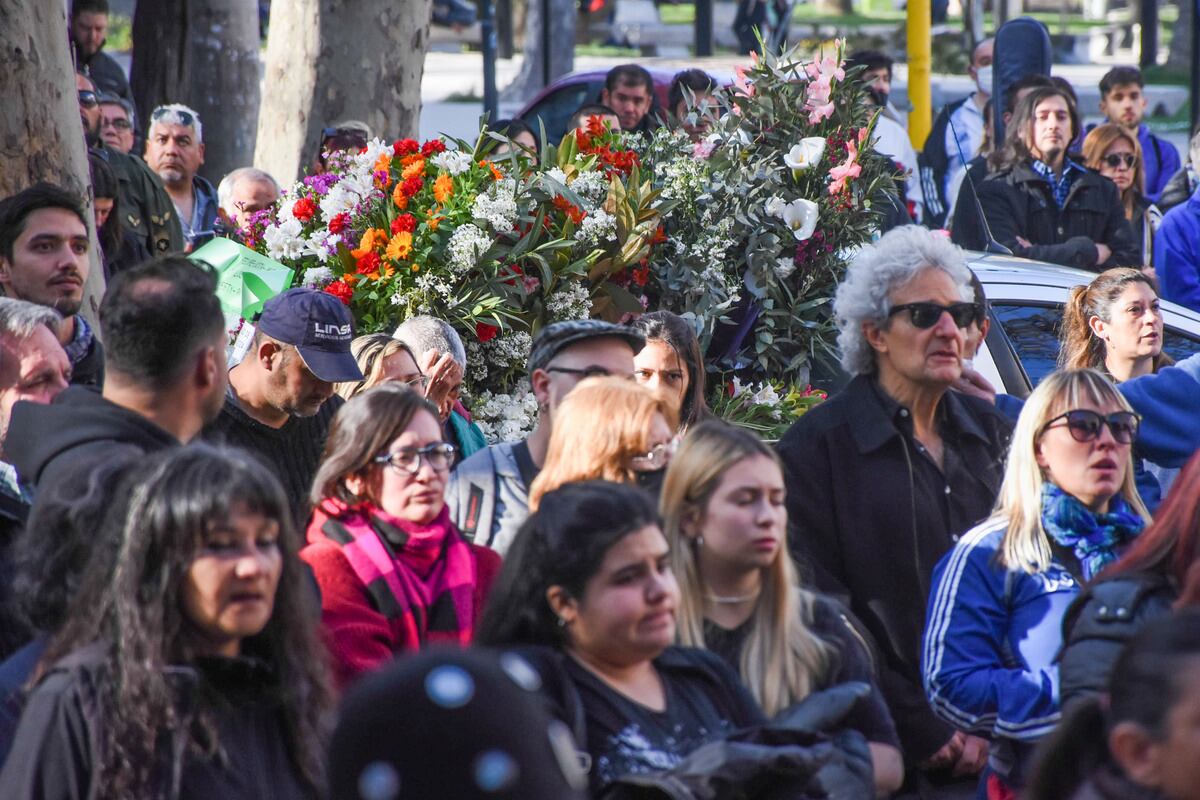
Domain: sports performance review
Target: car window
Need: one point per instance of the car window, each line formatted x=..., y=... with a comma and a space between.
x=1033, y=330
x=555, y=109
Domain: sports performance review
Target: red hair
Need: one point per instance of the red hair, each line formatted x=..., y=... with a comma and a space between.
x=1170, y=545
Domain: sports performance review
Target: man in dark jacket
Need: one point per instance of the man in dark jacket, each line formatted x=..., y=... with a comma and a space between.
x=175, y=151
x=165, y=366
x=885, y=475
x=629, y=90
x=44, y=260
x=1042, y=204
x=88, y=29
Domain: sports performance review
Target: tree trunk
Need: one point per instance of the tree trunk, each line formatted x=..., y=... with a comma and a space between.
x=1180, y=57
x=332, y=60
x=531, y=78
x=204, y=54
x=41, y=136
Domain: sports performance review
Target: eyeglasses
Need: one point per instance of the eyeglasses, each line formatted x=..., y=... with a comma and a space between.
x=119, y=123
x=926, y=315
x=88, y=99
x=658, y=457
x=587, y=372
x=439, y=456
x=1117, y=160
x=1084, y=425
x=185, y=118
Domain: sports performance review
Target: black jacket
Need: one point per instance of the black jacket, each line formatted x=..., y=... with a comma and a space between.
x=43, y=440
x=105, y=73
x=861, y=533
x=1019, y=202
x=1098, y=624
x=935, y=163
x=1178, y=190
x=90, y=369
x=60, y=735
x=966, y=227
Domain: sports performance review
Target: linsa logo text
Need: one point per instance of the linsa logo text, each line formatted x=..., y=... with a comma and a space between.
x=331, y=329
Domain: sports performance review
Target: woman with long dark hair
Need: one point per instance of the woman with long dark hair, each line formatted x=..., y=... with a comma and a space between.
x=395, y=574
x=189, y=666
x=1159, y=573
x=671, y=365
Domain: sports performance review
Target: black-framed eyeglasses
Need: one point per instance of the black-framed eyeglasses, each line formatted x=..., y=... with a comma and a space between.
x=658, y=457
x=1084, y=425
x=587, y=372
x=120, y=123
x=88, y=99
x=439, y=456
x=926, y=315
x=185, y=117
x=1116, y=160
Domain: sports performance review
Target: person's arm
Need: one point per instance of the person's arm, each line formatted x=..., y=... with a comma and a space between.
x=1169, y=404
x=51, y=756
x=1007, y=221
x=1167, y=167
x=1118, y=233
x=967, y=679
x=1177, y=261
x=359, y=637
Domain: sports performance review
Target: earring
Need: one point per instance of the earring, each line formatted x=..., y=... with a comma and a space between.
x=562, y=623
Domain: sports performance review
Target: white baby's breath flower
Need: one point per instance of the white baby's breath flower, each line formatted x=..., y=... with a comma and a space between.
x=317, y=277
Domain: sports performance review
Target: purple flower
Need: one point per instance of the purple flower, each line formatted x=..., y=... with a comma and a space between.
x=321, y=183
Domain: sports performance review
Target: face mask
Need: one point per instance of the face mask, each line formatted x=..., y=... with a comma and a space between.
x=983, y=79
x=880, y=97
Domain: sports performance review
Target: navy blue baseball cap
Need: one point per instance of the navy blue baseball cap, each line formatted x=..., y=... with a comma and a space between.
x=320, y=327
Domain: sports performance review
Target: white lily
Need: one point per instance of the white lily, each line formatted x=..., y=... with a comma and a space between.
x=805, y=155
x=801, y=216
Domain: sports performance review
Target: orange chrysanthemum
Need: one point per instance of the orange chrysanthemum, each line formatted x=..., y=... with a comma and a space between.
x=399, y=197
x=383, y=163
x=400, y=247
x=372, y=239
x=433, y=222
x=443, y=188
x=414, y=170
x=496, y=174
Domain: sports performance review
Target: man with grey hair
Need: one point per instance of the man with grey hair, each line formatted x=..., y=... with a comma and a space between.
x=175, y=151
x=442, y=360
x=244, y=192
x=33, y=367
x=888, y=473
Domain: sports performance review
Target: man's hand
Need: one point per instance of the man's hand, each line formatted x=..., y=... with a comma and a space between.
x=948, y=755
x=443, y=378
x=972, y=383
x=974, y=756
x=1103, y=253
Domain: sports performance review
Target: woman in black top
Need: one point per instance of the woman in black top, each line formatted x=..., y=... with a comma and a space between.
x=724, y=516
x=190, y=665
x=588, y=582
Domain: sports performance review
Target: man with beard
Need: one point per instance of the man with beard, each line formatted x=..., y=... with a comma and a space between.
x=281, y=401
x=146, y=209
x=164, y=336
x=44, y=260
x=175, y=151
x=88, y=30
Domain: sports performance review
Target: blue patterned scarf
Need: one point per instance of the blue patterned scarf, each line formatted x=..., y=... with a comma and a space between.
x=1094, y=538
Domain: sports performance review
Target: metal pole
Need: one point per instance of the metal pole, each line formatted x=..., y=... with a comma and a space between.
x=1149, y=22
x=919, y=57
x=704, y=27
x=487, y=33
x=504, y=28
x=545, y=6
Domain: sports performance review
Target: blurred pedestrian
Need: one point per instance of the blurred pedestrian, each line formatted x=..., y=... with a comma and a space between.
x=1114, y=152
x=1123, y=102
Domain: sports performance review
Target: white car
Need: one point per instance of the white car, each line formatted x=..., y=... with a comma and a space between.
x=1027, y=300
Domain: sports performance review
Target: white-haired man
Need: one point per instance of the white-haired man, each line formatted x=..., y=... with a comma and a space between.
x=175, y=151
x=243, y=192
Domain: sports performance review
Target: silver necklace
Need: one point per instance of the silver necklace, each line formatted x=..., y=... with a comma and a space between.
x=731, y=599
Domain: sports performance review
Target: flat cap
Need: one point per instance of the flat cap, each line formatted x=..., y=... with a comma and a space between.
x=552, y=339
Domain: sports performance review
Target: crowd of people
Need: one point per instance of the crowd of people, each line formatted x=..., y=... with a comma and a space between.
x=307, y=574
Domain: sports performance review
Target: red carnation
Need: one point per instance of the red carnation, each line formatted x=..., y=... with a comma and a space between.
x=341, y=290
x=368, y=263
x=404, y=222
x=304, y=208
x=412, y=185
x=432, y=147
x=485, y=332
x=641, y=275
x=405, y=146
x=339, y=223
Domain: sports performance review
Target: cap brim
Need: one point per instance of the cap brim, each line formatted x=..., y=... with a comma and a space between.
x=331, y=367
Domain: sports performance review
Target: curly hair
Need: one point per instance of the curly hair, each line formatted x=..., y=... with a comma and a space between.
x=130, y=603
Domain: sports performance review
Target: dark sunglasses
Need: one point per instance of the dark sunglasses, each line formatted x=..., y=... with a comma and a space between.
x=1116, y=160
x=88, y=99
x=185, y=118
x=926, y=315
x=1084, y=425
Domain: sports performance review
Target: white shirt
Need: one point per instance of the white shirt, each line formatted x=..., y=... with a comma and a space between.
x=966, y=131
x=892, y=140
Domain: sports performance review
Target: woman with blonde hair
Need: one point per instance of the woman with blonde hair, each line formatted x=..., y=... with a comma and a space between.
x=1067, y=508
x=607, y=429
x=1113, y=151
x=740, y=597
x=381, y=358
x=1114, y=324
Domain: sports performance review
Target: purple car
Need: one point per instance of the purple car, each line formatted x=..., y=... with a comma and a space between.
x=553, y=106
